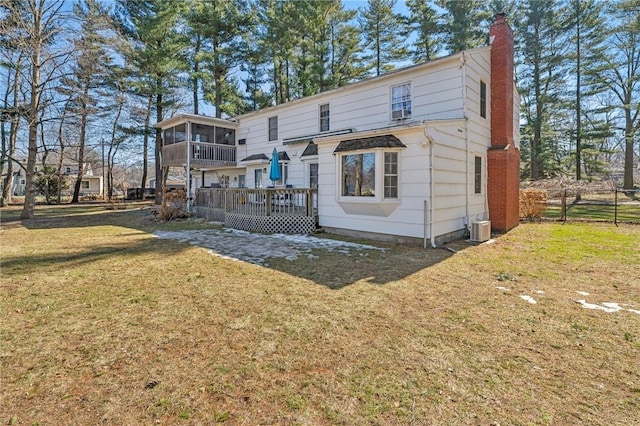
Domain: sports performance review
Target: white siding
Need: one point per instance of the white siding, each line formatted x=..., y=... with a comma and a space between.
x=445, y=96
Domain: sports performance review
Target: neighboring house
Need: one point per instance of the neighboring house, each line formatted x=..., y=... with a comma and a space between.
x=419, y=153
x=90, y=184
x=19, y=181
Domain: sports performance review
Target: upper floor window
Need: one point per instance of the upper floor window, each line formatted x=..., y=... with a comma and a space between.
x=401, y=101
x=273, y=128
x=483, y=99
x=324, y=117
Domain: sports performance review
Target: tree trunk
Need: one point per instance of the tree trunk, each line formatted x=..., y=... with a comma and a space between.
x=34, y=104
x=628, y=150
x=145, y=149
x=578, y=98
x=158, y=149
x=81, y=143
x=196, y=69
x=7, y=189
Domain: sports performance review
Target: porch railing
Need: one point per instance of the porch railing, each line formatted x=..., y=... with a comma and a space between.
x=286, y=210
x=202, y=154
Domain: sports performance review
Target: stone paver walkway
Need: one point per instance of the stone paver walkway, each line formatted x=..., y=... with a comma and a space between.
x=256, y=248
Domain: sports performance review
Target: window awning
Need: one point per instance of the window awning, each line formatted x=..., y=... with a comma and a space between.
x=282, y=156
x=311, y=149
x=255, y=157
x=382, y=141
x=309, y=138
x=263, y=158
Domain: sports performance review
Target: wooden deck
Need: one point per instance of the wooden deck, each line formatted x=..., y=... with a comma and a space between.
x=270, y=210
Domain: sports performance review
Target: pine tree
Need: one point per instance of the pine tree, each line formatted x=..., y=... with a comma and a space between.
x=345, y=60
x=277, y=41
x=381, y=31
x=586, y=25
x=255, y=79
x=155, y=56
x=423, y=21
x=217, y=28
x=620, y=72
x=541, y=78
x=89, y=71
x=465, y=24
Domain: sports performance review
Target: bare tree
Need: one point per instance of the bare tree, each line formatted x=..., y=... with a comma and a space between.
x=12, y=111
x=33, y=26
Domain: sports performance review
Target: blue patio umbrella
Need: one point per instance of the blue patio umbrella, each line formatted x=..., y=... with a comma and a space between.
x=274, y=170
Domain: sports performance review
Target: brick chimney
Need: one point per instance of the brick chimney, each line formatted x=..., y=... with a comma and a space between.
x=503, y=158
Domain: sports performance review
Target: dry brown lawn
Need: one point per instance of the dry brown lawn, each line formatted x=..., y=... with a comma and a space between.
x=102, y=323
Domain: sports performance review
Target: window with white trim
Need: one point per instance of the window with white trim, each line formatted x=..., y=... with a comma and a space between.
x=273, y=128
x=85, y=184
x=359, y=175
x=324, y=118
x=371, y=174
x=478, y=175
x=390, y=175
x=483, y=99
x=401, y=101
x=313, y=175
x=258, y=178
x=284, y=173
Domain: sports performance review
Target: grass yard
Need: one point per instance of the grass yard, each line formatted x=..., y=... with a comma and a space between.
x=101, y=322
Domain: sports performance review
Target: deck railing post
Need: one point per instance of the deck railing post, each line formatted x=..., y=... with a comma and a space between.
x=268, y=202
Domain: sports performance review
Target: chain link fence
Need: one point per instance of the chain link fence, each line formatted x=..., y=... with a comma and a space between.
x=580, y=204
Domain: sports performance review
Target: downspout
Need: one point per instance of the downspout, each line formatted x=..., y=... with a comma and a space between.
x=463, y=65
x=428, y=204
x=188, y=182
x=432, y=185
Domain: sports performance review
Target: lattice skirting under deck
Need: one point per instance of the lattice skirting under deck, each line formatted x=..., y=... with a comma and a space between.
x=271, y=224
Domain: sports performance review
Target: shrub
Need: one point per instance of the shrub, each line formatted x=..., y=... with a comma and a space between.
x=174, y=205
x=533, y=203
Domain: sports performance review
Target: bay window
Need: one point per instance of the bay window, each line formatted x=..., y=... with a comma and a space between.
x=370, y=174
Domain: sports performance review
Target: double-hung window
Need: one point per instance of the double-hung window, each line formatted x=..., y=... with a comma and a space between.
x=324, y=117
x=273, y=128
x=390, y=175
x=401, y=101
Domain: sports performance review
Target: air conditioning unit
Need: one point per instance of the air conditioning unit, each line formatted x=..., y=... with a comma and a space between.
x=481, y=231
x=399, y=114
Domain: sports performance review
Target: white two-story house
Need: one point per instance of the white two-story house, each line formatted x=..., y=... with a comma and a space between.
x=419, y=153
